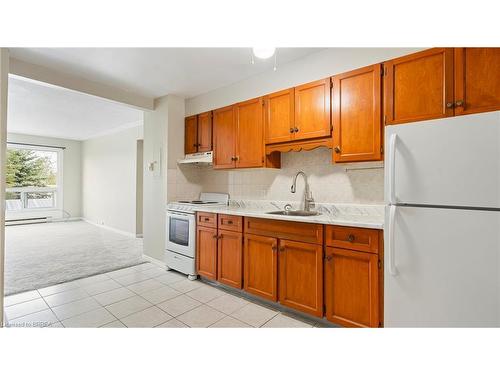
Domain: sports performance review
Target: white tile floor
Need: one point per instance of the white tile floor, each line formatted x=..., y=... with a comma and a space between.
x=139, y=296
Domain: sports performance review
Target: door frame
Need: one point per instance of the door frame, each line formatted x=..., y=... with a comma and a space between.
x=4, y=79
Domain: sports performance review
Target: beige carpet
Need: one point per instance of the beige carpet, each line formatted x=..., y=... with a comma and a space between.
x=39, y=255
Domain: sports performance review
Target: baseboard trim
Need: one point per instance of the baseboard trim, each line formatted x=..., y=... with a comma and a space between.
x=154, y=260
x=58, y=220
x=119, y=231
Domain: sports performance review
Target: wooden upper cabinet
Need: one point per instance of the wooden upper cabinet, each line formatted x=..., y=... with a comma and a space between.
x=301, y=276
x=224, y=138
x=191, y=135
x=356, y=115
x=351, y=288
x=230, y=258
x=206, y=252
x=260, y=262
x=249, y=133
x=477, y=80
x=312, y=110
x=205, y=132
x=280, y=116
x=419, y=86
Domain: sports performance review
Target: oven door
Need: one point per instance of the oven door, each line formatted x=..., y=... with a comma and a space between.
x=181, y=236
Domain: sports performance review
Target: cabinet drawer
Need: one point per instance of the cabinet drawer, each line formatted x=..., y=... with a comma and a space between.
x=288, y=230
x=230, y=222
x=360, y=239
x=206, y=219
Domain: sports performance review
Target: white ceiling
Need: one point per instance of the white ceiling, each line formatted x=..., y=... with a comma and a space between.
x=51, y=111
x=155, y=72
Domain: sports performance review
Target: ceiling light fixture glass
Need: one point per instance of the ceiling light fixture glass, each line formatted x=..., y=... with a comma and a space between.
x=263, y=52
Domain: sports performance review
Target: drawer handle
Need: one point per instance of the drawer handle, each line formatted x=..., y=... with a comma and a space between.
x=230, y=222
x=206, y=218
x=350, y=238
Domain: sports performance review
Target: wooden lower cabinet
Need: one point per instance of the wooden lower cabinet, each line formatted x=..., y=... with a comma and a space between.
x=230, y=258
x=260, y=260
x=206, y=252
x=301, y=276
x=352, y=287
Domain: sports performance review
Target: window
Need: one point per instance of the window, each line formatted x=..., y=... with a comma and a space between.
x=33, y=178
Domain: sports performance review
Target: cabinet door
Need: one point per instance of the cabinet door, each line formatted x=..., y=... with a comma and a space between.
x=312, y=110
x=205, y=132
x=419, y=86
x=356, y=115
x=230, y=258
x=190, y=135
x=250, y=133
x=477, y=80
x=301, y=276
x=351, y=288
x=260, y=262
x=206, y=252
x=280, y=116
x=224, y=138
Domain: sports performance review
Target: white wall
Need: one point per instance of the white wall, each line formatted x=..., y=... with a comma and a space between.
x=310, y=68
x=72, y=177
x=109, y=179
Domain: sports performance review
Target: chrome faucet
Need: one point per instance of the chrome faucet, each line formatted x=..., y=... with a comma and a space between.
x=308, y=198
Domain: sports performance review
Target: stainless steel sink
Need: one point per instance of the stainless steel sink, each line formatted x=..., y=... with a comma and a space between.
x=294, y=213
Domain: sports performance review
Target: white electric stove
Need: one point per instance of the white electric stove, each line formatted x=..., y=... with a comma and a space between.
x=180, y=249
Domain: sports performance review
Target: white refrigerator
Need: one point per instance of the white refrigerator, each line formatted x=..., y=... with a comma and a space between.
x=442, y=223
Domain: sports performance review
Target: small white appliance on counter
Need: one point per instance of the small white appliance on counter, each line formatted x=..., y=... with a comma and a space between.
x=180, y=249
x=442, y=225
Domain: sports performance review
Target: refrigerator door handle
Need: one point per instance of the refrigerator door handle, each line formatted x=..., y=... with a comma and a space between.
x=392, y=251
x=392, y=168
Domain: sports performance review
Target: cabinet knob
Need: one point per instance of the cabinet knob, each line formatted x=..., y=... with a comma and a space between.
x=274, y=248
x=195, y=144
x=337, y=149
x=282, y=248
x=296, y=129
x=214, y=236
x=350, y=238
x=449, y=105
x=459, y=103
x=329, y=258
x=291, y=130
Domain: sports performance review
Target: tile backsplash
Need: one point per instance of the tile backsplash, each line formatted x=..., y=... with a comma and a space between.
x=328, y=182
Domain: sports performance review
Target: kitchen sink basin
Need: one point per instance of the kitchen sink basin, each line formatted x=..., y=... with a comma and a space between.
x=294, y=213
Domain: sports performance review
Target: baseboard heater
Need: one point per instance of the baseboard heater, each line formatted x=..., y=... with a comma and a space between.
x=31, y=220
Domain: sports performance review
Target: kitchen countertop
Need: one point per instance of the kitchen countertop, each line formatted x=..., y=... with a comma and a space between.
x=353, y=215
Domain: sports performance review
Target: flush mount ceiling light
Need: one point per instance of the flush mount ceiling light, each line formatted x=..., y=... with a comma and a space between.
x=263, y=52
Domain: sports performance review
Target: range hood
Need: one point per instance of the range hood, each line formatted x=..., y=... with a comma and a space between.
x=197, y=158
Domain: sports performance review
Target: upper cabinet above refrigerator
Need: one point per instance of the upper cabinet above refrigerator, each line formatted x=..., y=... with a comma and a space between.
x=477, y=80
x=441, y=82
